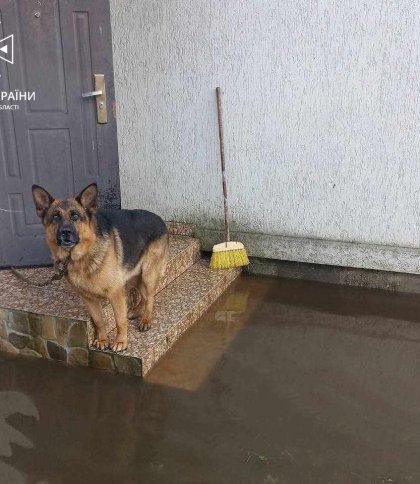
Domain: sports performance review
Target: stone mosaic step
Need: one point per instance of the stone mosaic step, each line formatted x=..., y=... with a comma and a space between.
x=177, y=307
x=59, y=300
x=37, y=335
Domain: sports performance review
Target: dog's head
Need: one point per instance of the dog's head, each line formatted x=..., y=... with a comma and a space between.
x=67, y=222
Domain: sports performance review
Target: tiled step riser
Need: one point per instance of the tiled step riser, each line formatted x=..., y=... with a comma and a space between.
x=35, y=335
x=59, y=339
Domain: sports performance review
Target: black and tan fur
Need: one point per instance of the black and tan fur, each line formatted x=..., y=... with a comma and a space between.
x=108, y=252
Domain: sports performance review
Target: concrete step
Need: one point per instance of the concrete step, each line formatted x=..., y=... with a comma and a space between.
x=177, y=307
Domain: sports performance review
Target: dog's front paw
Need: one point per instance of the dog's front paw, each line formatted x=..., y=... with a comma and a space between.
x=145, y=324
x=120, y=344
x=100, y=344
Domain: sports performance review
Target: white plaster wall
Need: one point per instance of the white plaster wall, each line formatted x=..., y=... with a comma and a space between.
x=321, y=109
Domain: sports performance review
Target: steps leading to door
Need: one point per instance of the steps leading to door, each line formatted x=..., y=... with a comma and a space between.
x=52, y=322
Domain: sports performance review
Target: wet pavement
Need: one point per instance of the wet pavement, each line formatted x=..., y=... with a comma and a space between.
x=281, y=381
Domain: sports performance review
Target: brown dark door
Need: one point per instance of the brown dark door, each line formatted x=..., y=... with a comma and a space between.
x=54, y=140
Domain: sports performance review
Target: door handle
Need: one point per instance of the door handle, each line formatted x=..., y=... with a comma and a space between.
x=91, y=93
x=100, y=94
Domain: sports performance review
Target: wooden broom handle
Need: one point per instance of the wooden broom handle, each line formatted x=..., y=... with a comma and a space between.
x=222, y=159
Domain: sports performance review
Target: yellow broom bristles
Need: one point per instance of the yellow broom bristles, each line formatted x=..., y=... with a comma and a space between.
x=228, y=255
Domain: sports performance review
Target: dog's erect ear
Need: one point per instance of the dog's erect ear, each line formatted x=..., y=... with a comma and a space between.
x=87, y=197
x=42, y=200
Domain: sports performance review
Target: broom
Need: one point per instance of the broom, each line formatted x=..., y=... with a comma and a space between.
x=227, y=254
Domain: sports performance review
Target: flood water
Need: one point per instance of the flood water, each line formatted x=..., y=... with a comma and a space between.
x=280, y=382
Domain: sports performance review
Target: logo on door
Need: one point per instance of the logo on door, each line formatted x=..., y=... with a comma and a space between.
x=7, y=49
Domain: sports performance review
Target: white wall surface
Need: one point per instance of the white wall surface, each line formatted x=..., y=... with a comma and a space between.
x=321, y=109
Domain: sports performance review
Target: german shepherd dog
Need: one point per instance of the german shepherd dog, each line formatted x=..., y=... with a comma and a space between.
x=106, y=252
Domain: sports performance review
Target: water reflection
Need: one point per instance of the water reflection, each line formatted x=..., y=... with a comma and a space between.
x=199, y=353
x=12, y=402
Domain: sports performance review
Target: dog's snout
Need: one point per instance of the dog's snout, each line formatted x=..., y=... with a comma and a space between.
x=67, y=237
x=66, y=232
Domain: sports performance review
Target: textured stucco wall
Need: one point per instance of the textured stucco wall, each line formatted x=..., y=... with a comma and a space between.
x=321, y=106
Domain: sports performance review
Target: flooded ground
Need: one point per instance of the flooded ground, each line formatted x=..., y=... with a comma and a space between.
x=281, y=382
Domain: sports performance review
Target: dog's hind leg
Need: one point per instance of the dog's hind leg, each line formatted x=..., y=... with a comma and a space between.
x=119, y=304
x=100, y=340
x=154, y=267
x=133, y=298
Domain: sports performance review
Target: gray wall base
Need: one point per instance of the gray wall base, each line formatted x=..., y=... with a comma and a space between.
x=390, y=281
x=315, y=252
